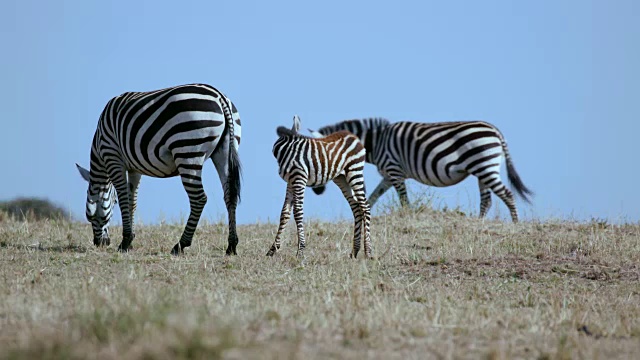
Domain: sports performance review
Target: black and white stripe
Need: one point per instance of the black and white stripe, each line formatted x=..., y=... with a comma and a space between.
x=304, y=161
x=436, y=154
x=162, y=133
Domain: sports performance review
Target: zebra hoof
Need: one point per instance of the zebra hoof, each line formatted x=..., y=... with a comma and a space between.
x=102, y=241
x=125, y=245
x=177, y=250
x=124, y=249
x=231, y=251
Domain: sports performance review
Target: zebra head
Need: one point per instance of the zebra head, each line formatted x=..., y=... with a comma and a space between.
x=101, y=198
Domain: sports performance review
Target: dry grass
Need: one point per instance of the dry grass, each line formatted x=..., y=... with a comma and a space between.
x=443, y=286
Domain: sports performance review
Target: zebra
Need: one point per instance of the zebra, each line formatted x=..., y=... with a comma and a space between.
x=162, y=133
x=304, y=161
x=436, y=154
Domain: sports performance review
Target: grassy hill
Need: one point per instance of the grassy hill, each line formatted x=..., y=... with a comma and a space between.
x=443, y=286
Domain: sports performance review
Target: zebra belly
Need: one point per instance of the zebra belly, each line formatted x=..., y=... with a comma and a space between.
x=312, y=179
x=164, y=170
x=322, y=178
x=168, y=165
x=455, y=176
x=452, y=179
x=317, y=182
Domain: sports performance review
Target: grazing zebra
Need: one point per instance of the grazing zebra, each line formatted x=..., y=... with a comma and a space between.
x=305, y=161
x=162, y=133
x=436, y=154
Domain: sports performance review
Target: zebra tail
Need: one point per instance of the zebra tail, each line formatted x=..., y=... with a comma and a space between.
x=514, y=178
x=235, y=168
x=235, y=173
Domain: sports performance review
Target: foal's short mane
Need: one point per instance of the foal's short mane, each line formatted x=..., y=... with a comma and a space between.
x=285, y=131
x=363, y=122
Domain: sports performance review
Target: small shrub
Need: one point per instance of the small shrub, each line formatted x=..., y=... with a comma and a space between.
x=31, y=208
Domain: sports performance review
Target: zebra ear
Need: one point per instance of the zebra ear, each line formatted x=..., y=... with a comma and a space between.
x=83, y=172
x=315, y=134
x=296, y=124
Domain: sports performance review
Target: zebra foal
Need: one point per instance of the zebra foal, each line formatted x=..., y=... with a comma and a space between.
x=435, y=154
x=305, y=161
x=162, y=133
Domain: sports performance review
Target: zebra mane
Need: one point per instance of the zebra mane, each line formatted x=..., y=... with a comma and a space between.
x=368, y=123
x=374, y=123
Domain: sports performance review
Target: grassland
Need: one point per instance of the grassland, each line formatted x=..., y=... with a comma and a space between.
x=443, y=286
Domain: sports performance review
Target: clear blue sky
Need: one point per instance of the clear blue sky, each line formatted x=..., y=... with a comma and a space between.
x=561, y=79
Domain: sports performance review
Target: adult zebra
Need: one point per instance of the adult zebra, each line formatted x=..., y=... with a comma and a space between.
x=436, y=154
x=162, y=133
x=304, y=161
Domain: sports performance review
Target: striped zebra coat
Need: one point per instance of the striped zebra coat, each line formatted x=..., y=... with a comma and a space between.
x=162, y=133
x=304, y=161
x=436, y=154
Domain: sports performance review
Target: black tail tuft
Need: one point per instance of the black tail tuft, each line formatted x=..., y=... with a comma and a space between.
x=235, y=169
x=235, y=173
x=516, y=182
x=319, y=190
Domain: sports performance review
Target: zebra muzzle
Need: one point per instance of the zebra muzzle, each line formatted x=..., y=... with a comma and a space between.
x=102, y=241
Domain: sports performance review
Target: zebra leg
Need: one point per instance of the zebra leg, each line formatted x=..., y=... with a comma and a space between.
x=485, y=199
x=507, y=196
x=285, y=215
x=355, y=180
x=341, y=181
x=398, y=184
x=298, y=213
x=191, y=176
x=379, y=191
x=220, y=160
x=366, y=224
x=493, y=182
x=118, y=175
x=361, y=197
x=134, y=184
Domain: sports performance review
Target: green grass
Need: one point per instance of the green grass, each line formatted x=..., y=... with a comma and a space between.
x=443, y=286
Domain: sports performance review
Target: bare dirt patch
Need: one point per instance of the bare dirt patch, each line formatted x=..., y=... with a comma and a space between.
x=538, y=268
